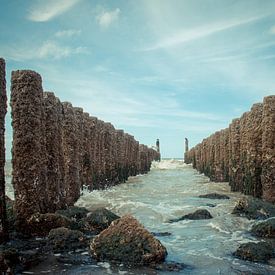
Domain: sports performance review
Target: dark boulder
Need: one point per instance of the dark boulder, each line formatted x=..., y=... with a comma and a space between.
x=171, y=267
x=255, y=252
x=99, y=219
x=215, y=196
x=253, y=208
x=210, y=205
x=41, y=224
x=265, y=229
x=30, y=258
x=127, y=241
x=8, y=260
x=74, y=212
x=75, y=259
x=64, y=239
x=201, y=214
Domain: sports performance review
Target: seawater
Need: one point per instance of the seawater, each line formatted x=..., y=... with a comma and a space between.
x=170, y=190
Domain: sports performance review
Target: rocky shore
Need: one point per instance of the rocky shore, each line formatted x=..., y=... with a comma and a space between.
x=77, y=236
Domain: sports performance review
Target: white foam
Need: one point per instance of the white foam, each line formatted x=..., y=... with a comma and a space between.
x=168, y=164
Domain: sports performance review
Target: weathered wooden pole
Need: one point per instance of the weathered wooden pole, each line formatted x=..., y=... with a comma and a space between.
x=268, y=149
x=29, y=157
x=3, y=111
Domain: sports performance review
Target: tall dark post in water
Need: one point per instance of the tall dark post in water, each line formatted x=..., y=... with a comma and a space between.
x=158, y=148
x=3, y=110
x=186, y=145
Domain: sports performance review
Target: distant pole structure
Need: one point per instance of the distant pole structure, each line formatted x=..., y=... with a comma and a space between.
x=158, y=148
x=157, y=145
x=186, y=145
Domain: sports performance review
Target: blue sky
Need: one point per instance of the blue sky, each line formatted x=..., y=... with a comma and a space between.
x=155, y=68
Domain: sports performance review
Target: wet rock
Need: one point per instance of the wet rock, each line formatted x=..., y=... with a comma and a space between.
x=161, y=234
x=127, y=241
x=8, y=260
x=255, y=252
x=41, y=224
x=73, y=212
x=99, y=219
x=254, y=208
x=76, y=259
x=64, y=239
x=29, y=258
x=264, y=229
x=170, y=266
x=215, y=196
x=201, y=214
x=210, y=205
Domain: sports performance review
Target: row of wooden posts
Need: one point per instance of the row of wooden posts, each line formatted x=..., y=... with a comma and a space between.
x=243, y=153
x=59, y=149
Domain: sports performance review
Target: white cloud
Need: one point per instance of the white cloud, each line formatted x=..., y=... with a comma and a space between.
x=67, y=33
x=56, y=51
x=105, y=19
x=184, y=36
x=49, y=49
x=44, y=11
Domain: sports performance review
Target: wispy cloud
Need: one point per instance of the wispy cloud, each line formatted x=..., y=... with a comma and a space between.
x=49, y=49
x=184, y=36
x=67, y=33
x=43, y=11
x=106, y=18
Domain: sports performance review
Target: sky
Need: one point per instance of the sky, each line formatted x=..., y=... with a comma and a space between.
x=155, y=68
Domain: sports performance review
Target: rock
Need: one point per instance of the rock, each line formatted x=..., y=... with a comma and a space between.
x=170, y=266
x=127, y=241
x=161, y=234
x=254, y=208
x=8, y=260
x=41, y=224
x=201, y=214
x=76, y=259
x=265, y=229
x=73, y=212
x=255, y=252
x=210, y=205
x=64, y=239
x=29, y=258
x=99, y=219
x=215, y=196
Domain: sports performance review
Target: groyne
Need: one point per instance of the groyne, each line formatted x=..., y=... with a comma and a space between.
x=3, y=110
x=243, y=153
x=58, y=149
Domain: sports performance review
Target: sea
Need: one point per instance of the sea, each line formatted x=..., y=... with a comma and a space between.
x=169, y=191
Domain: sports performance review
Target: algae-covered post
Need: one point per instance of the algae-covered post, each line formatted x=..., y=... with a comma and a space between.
x=186, y=145
x=29, y=148
x=268, y=149
x=54, y=147
x=3, y=110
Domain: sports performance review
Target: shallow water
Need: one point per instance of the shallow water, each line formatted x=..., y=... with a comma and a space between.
x=169, y=191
